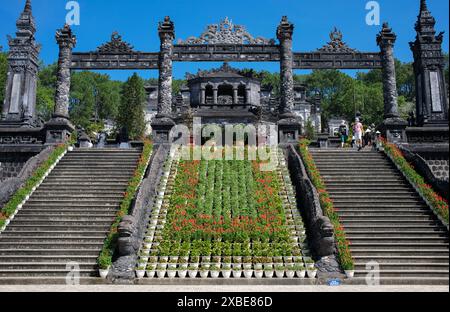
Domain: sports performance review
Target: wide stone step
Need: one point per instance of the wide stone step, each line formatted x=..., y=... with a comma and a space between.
x=404, y=252
x=51, y=253
x=86, y=180
x=377, y=205
x=70, y=196
x=90, y=176
x=384, y=214
x=67, y=212
x=376, y=197
x=63, y=259
x=82, y=185
x=405, y=273
x=44, y=266
x=407, y=266
x=61, y=223
x=398, y=245
x=94, y=189
x=59, y=234
x=53, y=245
x=391, y=218
x=390, y=223
x=377, y=210
x=398, y=239
x=363, y=180
x=93, y=192
x=397, y=232
x=53, y=239
x=80, y=200
x=79, y=205
x=354, y=191
x=47, y=273
x=58, y=219
x=402, y=259
x=62, y=218
x=367, y=184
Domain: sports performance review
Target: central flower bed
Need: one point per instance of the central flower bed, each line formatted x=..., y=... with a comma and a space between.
x=229, y=200
x=215, y=217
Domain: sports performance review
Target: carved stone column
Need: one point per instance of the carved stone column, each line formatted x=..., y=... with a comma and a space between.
x=19, y=106
x=59, y=127
x=289, y=126
x=429, y=66
x=285, y=32
x=167, y=35
x=235, y=95
x=163, y=123
x=393, y=126
x=66, y=41
x=215, y=95
x=203, y=96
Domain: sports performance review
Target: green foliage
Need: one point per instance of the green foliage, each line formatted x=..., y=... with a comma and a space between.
x=131, y=110
x=105, y=258
x=309, y=130
x=439, y=204
x=94, y=98
x=3, y=75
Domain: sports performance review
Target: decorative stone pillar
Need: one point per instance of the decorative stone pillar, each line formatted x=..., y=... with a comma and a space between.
x=203, y=96
x=285, y=32
x=215, y=95
x=429, y=65
x=289, y=126
x=248, y=93
x=163, y=123
x=393, y=126
x=166, y=32
x=66, y=42
x=59, y=127
x=235, y=95
x=19, y=106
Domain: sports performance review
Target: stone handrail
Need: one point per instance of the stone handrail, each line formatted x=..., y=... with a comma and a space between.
x=133, y=226
x=320, y=230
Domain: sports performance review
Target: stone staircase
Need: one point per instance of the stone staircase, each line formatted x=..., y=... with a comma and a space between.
x=385, y=219
x=69, y=215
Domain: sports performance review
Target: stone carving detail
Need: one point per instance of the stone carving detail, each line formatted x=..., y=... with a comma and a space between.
x=116, y=45
x=337, y=45
x=225, y=68
x=21, y=140
x=227, y=33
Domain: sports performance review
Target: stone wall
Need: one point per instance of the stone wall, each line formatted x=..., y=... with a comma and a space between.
x=11, y=164
x=439, y=167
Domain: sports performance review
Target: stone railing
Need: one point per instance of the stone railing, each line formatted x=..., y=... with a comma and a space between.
x=133, y=226
x=319, y=228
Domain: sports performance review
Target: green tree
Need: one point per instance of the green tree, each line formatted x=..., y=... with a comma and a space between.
x=3, y=75
x=45, y=94
x=131, y=110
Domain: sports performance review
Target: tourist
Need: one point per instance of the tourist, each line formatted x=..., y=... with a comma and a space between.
x=368, y=137
x=343, y=132
x=358, y=132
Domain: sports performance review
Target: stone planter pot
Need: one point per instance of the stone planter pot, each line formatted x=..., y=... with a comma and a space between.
x=301, y=273
x=140, y=274
x=350, y=273
x=171, y=273
x=248, y=273
x=258, y=266
x=311, y=273
x=204, y=274
x=279, y=274
x=290, y=274
x=150, y=273
x=182, y=273
x=103, y=273
x=226, y=265
x=237, y=273
x=226, y=273
x=268, y=274
x=215, y=274
x=259, y=273
x=247, y=266
x=161, y=273
x=192, y=273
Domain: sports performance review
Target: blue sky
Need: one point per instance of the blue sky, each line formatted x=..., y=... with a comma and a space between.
x=136, y=21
